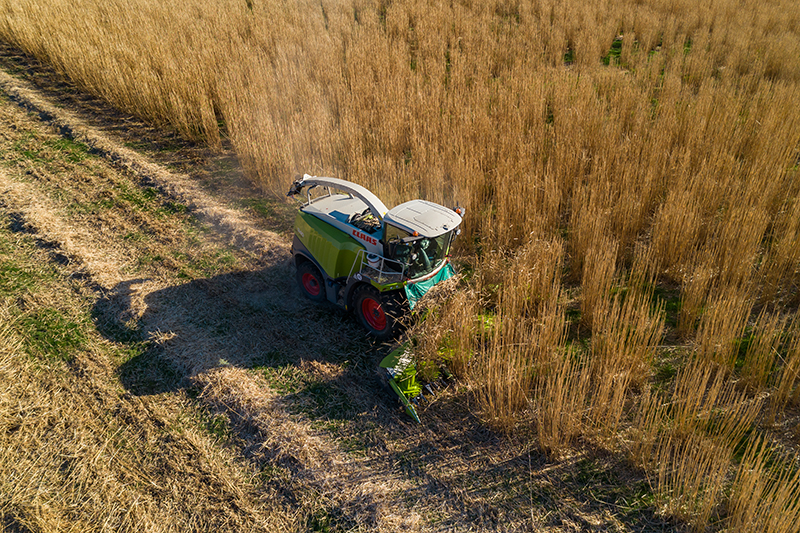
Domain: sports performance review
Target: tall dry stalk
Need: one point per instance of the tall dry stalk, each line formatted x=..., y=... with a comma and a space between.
x=704, y=401
x=722, y=326
x=452, y=333
x=759, y=358
x=589, y=228
x=695, y=293
x=736, y=246
x=626, y=333
x=526, y=330
x=781, y=269
x=599, y=271
x=690, y=477
x=686, y=445
x=649, y=423
x=786, y=389
x=677, y=232
x=560, y=399
x=503, y=373
x=606, y=401
x=765, y=496
x=624, y=336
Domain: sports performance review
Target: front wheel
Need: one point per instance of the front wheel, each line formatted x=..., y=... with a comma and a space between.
x=376, y=311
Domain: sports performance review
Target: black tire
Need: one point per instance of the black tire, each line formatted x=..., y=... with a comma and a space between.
x=377, y=312
x=310, y=281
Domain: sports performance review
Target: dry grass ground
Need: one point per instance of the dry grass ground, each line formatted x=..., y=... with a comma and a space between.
x=629, y=169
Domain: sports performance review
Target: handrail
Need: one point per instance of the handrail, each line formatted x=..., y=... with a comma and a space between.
x=353, y=189
x=380, y=274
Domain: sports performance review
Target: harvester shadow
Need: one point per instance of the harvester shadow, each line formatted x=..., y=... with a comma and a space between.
x=315, y=357
x=322, y=367
x=244, y=319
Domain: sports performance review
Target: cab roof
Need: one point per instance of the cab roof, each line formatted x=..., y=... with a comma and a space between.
x=426, y=218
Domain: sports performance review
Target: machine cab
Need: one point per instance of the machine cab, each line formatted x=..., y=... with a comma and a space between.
x=418, y=234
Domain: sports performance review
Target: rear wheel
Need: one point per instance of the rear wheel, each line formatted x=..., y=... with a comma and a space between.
x=310, y=281
x=377, y=312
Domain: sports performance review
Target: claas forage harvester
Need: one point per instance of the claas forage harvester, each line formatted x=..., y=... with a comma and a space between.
x=351, y=250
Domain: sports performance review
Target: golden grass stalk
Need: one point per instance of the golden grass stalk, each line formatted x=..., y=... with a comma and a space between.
x=786, y=389
x=504, y=372
x=532, y=281
x=722, y=325
x=560, y=399
x=525, y=331
x=737, y=245
x=599, y=270
x=686, y=445
x=643, y=274
x=624, y=336
x=649, y=423
x=690, y=478
x=695, y=293
x=626, y=332
x=759, y=358
x=452, y=333
x=781, y=269
x=765, y=496
x=703, y=400
x=588, y=227
x=677, y=231
x=607, y=401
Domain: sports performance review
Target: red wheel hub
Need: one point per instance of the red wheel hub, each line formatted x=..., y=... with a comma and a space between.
x=311, y=284
x=373, y=314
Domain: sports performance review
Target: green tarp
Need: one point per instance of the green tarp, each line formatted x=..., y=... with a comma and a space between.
x=415, y=291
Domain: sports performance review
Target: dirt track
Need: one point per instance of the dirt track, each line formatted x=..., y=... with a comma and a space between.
x=179, y=255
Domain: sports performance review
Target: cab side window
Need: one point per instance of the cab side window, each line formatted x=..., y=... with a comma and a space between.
x=393, y=248
x=394, y=233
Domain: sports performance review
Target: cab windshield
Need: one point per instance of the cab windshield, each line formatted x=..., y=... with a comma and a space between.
x=420, y=255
